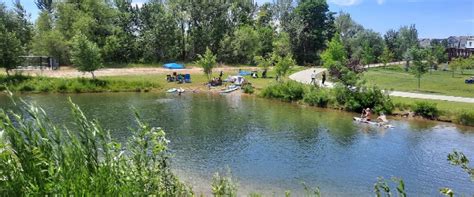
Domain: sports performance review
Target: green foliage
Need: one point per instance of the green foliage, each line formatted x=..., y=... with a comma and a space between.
x=358, y=99
x=426, y=110
x=10, y=49
x=311, y=27
x=286, y=91
x=459, y=159
x=23, y=83
x=283, y=65
x=335, y=60
x=387, y=56
x=381, y=187
x=207, y=62
x=317, y=97
x=281, y=45
x=51, y=43
x=85, y=55
x=248, y=88
x=465, y=118
x=262, y=62
x=420, y=63
x=223, y=186
x=41, y=158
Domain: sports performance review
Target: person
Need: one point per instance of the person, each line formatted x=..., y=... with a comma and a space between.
x=313, y=77
x=366, y=114
x=382, y=119
x=324, y=78
x=221, y=74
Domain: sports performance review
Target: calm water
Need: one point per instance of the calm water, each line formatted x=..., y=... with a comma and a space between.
x=274, y=146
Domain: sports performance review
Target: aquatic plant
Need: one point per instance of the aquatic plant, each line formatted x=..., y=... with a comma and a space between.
x=39, y=158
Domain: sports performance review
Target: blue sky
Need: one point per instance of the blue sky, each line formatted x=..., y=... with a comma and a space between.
x=433, y=18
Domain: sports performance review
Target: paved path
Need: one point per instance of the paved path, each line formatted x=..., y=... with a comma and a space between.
x=304, y=76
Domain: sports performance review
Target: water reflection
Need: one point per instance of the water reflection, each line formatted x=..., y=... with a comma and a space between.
x=275, y=146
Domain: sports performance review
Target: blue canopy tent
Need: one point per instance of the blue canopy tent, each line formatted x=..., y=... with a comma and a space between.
x=173, y=66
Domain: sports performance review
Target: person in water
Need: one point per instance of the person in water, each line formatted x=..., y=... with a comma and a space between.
x=382, y=119
x=366, y=114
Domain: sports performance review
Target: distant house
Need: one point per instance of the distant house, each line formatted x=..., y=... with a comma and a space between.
x=462, y=46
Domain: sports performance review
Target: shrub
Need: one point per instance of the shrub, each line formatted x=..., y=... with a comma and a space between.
x=465, y=118
x=317, y=97
x=248, y=89
x=39, y=158
x=358, y=99
x=286, y=91
x=223, y=185
x=426, y=109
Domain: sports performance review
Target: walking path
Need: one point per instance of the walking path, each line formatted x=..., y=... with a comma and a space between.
x=305, y=77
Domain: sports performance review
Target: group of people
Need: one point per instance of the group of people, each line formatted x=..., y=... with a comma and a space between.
x=313, y=78
x=381, y=119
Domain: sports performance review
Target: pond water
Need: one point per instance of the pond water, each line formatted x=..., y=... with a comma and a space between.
x=272, y=146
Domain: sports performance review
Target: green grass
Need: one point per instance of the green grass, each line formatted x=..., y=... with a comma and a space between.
x=438, y=82
x=20, y=83
x=444, y=106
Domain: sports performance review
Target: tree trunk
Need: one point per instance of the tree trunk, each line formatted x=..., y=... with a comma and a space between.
x=92, y=73
x=8, y=72
x=184, y=41
x=419, y=81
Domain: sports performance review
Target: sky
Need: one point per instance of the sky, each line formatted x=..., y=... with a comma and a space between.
x=433, y=18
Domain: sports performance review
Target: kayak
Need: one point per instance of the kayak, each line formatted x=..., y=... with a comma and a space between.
x=230, y=89
x=361, y=120
x=172, y=90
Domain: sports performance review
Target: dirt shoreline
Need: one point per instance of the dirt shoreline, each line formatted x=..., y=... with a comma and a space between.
x=70, y=72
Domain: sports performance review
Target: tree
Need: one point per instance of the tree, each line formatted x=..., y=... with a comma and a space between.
x=335, y=60
x=420, y=66
x=368, y=56
x=283, y=65
x=263, y=62
x=313, y=27
x=85, y=55
x=207, y=62
x=241, y=47
x=439, y=54
x=456, y=64
x=10, y=50
x=386, y=57
x=281, y=44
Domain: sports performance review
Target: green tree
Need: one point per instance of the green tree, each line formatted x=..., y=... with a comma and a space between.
x=439, y=54
x=283, y=66
x=281, y=44
x=368, y=56
x=420, y=66
x=207, y=62
x=263, y=62
x=386, y=57
x=456, y=64
x=10, y=50
x=335, y=60
x=314, y=26
x=240, y=47
x=85, y=55
x=390, y=39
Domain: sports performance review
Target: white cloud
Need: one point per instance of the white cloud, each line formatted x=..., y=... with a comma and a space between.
x=345, y=2
x=380, y=2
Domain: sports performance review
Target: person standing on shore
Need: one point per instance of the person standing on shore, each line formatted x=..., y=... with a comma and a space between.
x=324, y=78
x=313, y=78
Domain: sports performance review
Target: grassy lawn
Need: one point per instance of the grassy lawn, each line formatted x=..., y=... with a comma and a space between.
x=438, y=82
x=445, y=106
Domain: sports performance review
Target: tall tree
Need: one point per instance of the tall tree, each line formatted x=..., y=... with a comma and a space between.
x=45, y=5
x=407, y=38
x=390, y=39
x=85, y=55
x=386, y=57
x=317, y=28
x=283, y=66
x=10, y=49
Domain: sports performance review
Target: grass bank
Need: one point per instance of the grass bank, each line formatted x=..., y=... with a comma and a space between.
x=21, y=83
x=436, y=82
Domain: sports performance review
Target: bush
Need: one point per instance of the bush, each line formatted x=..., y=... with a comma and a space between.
x=317, y=97
x=465, y=118
x=39, y=158
x=358, y=99
x=223, y=185
x=426, y=110
x=248, y=89
x=286, y=91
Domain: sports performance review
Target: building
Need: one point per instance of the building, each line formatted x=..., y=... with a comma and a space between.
x=462, y=46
